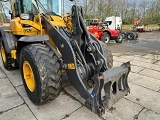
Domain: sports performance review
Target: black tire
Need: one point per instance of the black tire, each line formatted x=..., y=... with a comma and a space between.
x=135, y=35
x=46, y=72
x=9, y=63
x=119, y=39
x=105, y=37
x=107, y=54
x=123, y=35
x=130, y=36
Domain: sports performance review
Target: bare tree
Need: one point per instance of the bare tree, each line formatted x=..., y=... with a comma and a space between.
x=146, y=10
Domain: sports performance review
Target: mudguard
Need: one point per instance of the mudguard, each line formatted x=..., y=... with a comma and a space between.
x=8, y=38
x=36, y=38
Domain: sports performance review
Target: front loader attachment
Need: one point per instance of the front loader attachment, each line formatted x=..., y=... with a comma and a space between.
x=82, y=59
x=115, y=84
x=112, y=86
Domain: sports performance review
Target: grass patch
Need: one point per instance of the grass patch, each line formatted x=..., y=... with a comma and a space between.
x=127, y=27
x=150, y=26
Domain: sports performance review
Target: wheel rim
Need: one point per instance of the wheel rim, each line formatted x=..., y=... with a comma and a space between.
x=3, y=54
x=120, y=38
x=130, y=36
x=123, y=35
x=107, y=40
x=28, y=76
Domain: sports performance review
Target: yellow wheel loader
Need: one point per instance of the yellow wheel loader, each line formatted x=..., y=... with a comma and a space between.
x=43, y=45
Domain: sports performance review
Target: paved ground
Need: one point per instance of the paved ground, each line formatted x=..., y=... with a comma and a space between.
x=142, y=104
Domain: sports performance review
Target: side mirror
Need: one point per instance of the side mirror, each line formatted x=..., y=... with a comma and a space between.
x=24, y=16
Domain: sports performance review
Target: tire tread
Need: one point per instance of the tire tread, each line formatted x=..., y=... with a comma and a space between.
x=48, y=69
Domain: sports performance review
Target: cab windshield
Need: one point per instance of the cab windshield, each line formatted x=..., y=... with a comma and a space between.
x=35, y=7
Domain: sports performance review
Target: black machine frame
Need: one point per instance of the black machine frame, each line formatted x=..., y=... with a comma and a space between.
x=113, y=81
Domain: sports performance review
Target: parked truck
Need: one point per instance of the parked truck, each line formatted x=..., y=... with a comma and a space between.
x=114, y=22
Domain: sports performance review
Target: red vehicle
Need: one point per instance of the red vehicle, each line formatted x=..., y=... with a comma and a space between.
x=105, y=34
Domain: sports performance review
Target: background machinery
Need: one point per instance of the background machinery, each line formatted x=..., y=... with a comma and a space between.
x=43, y=45
x=138, y=26
x=103, y=32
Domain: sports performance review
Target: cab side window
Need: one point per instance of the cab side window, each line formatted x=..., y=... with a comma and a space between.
x=29, y=7
x=27, y=4
x=18, y=7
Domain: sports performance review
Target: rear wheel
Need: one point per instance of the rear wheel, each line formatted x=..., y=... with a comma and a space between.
x=123, y=35
x=8, y=62
x=107, y=54
x=40, y=72
x=130, y=36
x=105, y=37
x=119, y=39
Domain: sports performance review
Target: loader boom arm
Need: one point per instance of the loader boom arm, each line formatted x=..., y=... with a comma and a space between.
x=94, y=67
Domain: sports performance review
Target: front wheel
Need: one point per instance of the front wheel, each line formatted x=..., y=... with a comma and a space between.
x=40, y=72
x=119, y=39
x=105, y=37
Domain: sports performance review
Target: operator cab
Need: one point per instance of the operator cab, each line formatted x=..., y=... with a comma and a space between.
x=27, y=14
x=33, y=7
